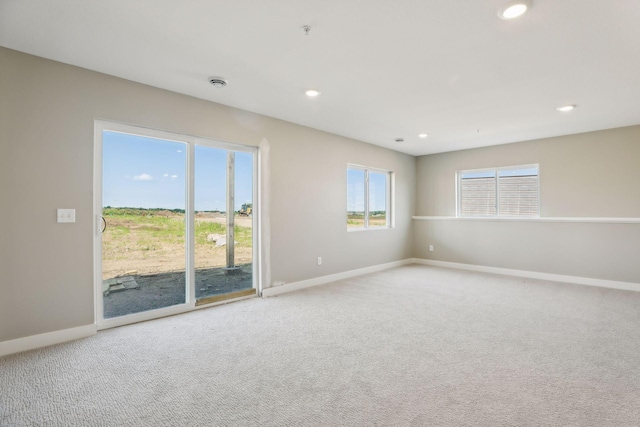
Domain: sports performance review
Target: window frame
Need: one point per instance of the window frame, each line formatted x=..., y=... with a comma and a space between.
x=496, y=171
x=389, y=197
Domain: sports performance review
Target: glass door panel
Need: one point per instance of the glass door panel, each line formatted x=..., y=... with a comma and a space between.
x=223, y=212
x=243, y=199
x=143, y=221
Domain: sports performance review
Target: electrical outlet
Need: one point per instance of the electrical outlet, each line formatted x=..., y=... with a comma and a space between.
x=319, y=260
x=66, y=215
x=430, y=248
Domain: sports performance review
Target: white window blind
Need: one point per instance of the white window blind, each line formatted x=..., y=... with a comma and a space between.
x=510, y=191
x=518, y=192
x=478, y=193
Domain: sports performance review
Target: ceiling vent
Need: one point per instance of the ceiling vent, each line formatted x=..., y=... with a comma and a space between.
x=217, y=82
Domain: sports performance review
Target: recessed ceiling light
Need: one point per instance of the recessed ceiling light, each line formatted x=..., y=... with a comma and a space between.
x=566, y=108
x=423, y=135
x=513, y=9
x=312, y=93
x=218, y=82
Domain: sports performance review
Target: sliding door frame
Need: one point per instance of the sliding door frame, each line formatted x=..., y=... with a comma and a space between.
x=191, y=141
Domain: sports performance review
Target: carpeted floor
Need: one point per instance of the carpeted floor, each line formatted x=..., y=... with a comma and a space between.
x=415, y=345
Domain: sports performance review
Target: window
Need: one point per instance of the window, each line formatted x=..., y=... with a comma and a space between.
x=368, y=198
x=508, y=191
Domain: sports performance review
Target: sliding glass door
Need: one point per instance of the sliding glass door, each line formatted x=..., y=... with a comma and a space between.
x=175, y=220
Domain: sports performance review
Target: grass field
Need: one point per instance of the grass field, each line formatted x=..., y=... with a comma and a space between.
x=357, y=221
x=153, y=241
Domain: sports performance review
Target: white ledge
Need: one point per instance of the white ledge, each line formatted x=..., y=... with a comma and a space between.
x=536, y=219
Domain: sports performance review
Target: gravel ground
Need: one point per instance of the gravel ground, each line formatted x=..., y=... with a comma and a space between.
x=167, y=289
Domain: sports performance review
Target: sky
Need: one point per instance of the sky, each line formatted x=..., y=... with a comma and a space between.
x=355, y=190
x=141, y=172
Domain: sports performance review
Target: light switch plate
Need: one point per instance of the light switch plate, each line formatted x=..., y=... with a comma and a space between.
x=66, y=215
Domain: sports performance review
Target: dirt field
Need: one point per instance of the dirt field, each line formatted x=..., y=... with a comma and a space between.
x=240, y=221
x=135, y=243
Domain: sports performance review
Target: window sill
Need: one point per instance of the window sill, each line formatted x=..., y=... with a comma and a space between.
x=603, y=220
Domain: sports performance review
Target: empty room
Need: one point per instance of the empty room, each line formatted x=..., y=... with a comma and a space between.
x=302, y=212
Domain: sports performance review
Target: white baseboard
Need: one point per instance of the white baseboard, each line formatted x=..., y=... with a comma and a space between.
x=627, y=286
x=57, y=337
x=43, y=340
x=295, y=286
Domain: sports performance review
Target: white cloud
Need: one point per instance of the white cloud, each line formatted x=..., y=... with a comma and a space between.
x=165, y=175
x=143, y=177
x=174, y=176
x=179, y=151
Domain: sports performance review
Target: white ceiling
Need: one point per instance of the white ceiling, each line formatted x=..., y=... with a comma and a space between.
x=386, y=69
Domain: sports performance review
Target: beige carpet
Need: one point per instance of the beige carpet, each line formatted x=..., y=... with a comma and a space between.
x=414, y=345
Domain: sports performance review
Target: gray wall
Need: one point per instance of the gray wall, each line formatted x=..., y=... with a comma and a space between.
x=47, y=113
x=594, y=174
